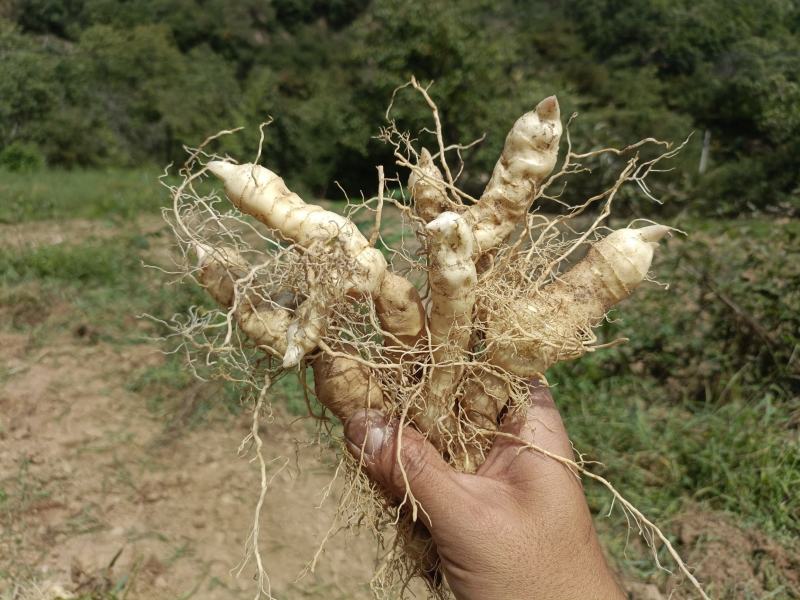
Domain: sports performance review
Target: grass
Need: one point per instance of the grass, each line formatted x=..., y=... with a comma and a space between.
x=95, y=264
x=699, y=408
x=172, y=392
x=55, y=194
x=120, y=195
x=737, y=455
x=103, y=282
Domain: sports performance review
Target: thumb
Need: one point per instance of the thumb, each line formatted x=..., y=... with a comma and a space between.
x=401, y=460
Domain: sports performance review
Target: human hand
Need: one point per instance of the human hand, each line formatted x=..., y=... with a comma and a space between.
x=519, y=528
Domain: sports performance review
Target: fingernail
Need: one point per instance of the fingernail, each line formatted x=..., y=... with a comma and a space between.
x=536, y=383
x=365, y=432
x=540, y=393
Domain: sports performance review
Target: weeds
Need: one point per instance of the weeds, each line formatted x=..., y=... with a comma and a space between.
x=171, y=391
x=53, y=194
x=701, y=407
x=103, y=282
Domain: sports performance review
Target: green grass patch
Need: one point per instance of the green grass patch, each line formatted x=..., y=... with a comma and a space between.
x=90, y=194
x=103, y=263
x=736, y=455
x=172, y=391
x=288, y=391
x=103, y=281
x=120, y=195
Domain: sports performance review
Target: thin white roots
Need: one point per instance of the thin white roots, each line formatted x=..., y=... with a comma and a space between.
x=280, y=274
x=252, y=550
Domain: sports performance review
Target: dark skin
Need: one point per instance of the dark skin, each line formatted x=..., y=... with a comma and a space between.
x=519, y=528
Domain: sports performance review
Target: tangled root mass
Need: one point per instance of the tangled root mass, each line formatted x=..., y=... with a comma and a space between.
x=442, y=331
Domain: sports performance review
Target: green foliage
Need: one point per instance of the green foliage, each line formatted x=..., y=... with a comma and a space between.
x=28, y=87
x=112, y=83
x=21, y=156
x=117, y=96
x=479, y=84
x=732, y=67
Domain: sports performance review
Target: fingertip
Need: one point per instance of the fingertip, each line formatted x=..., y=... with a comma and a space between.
x=365, y=432
x=539, y=393
x=369, y=436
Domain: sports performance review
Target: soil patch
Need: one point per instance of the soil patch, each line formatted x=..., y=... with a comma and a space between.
x=98, y=495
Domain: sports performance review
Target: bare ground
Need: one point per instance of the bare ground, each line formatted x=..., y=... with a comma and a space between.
x=91, y=477
x=100, y=495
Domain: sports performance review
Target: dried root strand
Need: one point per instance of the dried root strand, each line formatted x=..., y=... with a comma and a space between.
x=344, y=386
x=418, y=545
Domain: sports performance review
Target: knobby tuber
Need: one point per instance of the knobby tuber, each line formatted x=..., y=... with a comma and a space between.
x=530, y=334
x=529, y=156
x=502, y=301
x=260, y=192
x=452, y=279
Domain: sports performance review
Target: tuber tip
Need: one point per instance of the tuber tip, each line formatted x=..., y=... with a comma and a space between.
x=202, y=251
x=292, y=357
x=294, y=352
x=452, y=229
x=221, y=168
x=548, y=108
x=425, y=157
x=653, y=233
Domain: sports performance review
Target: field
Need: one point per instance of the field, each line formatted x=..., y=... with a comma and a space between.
x=119, y=473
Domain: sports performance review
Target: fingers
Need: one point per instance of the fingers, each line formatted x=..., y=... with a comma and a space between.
x=401, y=459
x=540, y=425
x=543, y=424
